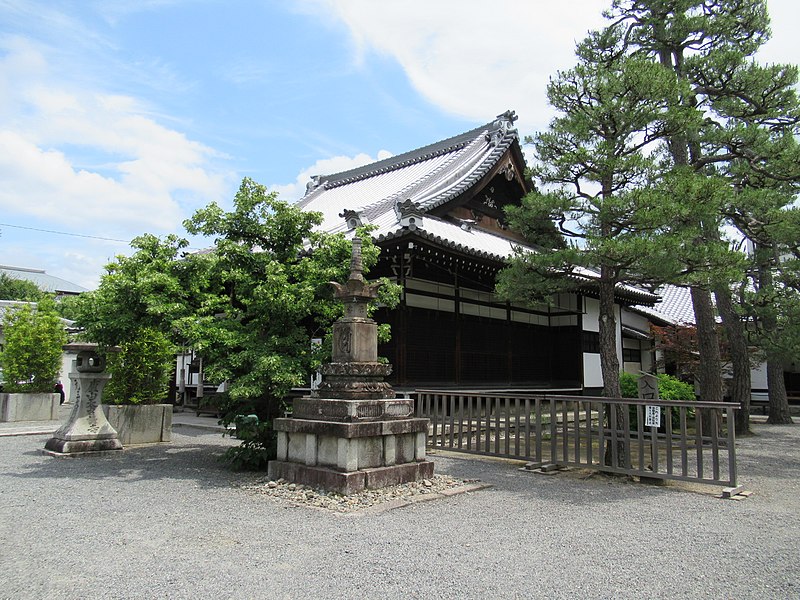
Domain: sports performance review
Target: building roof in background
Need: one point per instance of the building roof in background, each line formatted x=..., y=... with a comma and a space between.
x=675, y=307
x=6, y=305
x=45, y=282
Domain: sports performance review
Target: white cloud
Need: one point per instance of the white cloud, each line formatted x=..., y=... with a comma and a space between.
x=84, y=157
x=473, y=59
x=291, y=192
x=476, y=59
x=75, y=158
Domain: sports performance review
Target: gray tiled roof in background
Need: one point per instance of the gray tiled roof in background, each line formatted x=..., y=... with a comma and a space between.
x=675, y=307
x=45, y=282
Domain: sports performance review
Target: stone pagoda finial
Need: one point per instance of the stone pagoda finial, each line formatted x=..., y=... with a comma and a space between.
x=356, y=264
x=357, y=292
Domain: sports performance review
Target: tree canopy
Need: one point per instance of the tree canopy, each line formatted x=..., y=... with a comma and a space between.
x=31, y=357
x=249, y=305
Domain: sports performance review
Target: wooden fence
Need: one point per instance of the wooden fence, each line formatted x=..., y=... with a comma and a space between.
x=579, y=431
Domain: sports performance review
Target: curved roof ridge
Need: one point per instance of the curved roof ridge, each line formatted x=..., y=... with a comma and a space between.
x=416, y=185
x=471, y=178
x=403, y=160
x=502, y=124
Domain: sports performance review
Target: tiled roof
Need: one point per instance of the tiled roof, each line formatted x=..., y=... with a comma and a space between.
x=675, y=307
x=45, y=282
x=425, y=179
x=428, y=176
x=6, y=305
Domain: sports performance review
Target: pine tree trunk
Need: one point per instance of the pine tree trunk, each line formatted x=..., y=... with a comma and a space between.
x=709, y=373
x=778, y=401
x=741, y=384
x=609, y=366
x=776, y=386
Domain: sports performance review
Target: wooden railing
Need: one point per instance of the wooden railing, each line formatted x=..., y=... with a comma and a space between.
x=606, y=434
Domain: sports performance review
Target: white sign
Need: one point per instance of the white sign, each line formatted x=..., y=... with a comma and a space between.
x=652, y=416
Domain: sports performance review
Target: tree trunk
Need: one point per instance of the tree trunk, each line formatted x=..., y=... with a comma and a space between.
x=609, y=366
x=709, y=373
x=778, y=401
x=740, y=385
x=709, y=370
x=776, y=386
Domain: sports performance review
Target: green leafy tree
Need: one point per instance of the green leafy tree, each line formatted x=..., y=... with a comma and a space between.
x=266, y=295
x=31, y=358
x=150, y=289
x=596, y=165
x=141, y=369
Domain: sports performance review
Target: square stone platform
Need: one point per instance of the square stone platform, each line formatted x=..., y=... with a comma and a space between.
x=349, y=457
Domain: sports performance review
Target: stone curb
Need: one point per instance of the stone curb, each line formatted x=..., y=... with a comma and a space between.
x=50, y=431
x=402, y=502
x=218, y=428
x=19, y=432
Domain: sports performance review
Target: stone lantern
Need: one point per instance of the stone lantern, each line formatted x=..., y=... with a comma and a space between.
x=87, y=430
x=352, y=433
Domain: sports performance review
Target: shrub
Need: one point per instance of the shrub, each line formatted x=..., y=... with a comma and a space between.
x=259, y=444
x=140, y=371
x=669, y=388
x=31, y=358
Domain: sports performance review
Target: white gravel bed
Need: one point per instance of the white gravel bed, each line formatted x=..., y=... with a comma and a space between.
x=301, y=495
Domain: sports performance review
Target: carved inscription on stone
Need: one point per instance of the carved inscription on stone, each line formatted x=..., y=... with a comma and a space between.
x=345, y=340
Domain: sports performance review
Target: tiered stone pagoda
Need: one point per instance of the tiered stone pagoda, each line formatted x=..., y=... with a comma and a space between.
x=352, y=433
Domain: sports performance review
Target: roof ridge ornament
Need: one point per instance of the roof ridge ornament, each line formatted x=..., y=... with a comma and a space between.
x=353, y=218
x=316, y=181
x=409, y=214
x=502, y=126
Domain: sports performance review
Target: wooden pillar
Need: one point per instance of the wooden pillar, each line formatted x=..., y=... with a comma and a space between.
x=457, y=341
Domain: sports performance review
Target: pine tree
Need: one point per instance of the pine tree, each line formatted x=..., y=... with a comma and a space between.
x=708, y=44
x=596, y=166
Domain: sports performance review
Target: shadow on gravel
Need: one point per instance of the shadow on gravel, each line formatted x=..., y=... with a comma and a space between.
x=196, y=457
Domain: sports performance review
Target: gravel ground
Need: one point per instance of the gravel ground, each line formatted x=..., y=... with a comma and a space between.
x=172, y=522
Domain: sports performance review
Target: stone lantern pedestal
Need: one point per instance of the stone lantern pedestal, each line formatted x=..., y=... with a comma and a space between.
x=87, y=430
x=352, y=433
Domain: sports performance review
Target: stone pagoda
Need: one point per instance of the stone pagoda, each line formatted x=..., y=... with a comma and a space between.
x=352, y=433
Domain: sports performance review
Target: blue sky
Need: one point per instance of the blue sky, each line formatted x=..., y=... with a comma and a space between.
x=120, y=117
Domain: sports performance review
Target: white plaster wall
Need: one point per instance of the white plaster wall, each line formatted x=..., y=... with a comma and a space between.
x=635, y=320
x=647, y=357
x=591, y=314
x=63, y=375
x=758, y=377
x=592, y=377
x=631, y=367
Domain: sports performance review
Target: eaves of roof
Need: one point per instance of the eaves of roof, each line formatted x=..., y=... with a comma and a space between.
x=490, y=247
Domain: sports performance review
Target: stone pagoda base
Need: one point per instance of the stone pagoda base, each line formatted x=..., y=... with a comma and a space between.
x=87, y=431
x=347, y=457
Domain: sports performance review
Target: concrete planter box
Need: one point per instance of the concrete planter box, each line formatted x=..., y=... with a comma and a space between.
x=140, y=424
x=29, y=407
